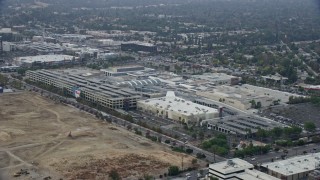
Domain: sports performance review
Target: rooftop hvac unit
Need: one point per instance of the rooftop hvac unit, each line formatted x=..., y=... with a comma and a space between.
x=230, y=162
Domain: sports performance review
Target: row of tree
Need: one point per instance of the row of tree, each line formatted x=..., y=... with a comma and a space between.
x=218, y=145
x=252, y=150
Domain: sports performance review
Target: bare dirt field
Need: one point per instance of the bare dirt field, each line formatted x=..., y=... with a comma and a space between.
x=34, y=135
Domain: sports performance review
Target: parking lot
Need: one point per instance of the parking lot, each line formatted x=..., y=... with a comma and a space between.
x=294, y=114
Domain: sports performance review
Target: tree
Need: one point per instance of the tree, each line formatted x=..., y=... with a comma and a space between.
x=173, y=170
x=147, y=177
x=201, y=155
x=114, y=175
x=194, y=161
x=189, y=151
x=277, y=132
x=309, y=126
x=253, y=104
x=262, y=133
x=258, y=106
x=201, y=135
x=21, y=71
x=315, y=139
x=194, y=136
x=3, y=80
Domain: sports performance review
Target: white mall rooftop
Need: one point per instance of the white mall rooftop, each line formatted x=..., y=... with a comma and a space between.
x=176, y=104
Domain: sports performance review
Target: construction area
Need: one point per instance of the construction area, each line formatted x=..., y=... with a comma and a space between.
x=42, y=139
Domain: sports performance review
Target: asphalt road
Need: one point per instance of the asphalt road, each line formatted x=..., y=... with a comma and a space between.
x=260, y=159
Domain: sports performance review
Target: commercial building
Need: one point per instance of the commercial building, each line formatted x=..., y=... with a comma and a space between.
x=295, y=168
x=276, y=94
x=47, y=60
x=1, y=45
x=277, y=78
x=72, y=37
x=7, y=34
x=41, y=47
x=148, y=92
x=176, y=108
x=142, y=82
x=237, y=96
x=240, y=125
x=8, y=46
x=237, y=169
x=244, y=96
x=313, y=89
x=315, y=175
x=9, y=68
x=107, y=56
x=125, y=70
x=215, y=79
x=105, y=42
x=138, y=46
x=89, y=84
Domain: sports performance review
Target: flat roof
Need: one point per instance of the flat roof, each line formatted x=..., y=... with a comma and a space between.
x=173, y=103
x=255, y=175
x=87, y=79
x=295, y=165
x=44, y=58
x=315, y=87
x=214, y=76
x=276, y=94
x=231, y=166
x=138, y=43
x=275, y=77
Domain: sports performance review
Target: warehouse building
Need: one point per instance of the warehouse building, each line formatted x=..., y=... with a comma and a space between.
x=46, y=60
x=295, y=168
x=215, y=79
x=244, y=96
x=178, y=109
x=237, y=169
x=277, y=78
x=239, y=125
x=138, y=46
x=9, y=68
x=237, y=96
x=88, y=84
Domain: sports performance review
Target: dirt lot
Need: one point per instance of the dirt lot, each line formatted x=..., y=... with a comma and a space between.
x=34, y=135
